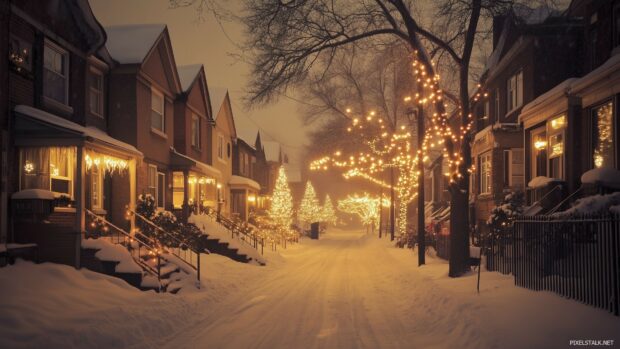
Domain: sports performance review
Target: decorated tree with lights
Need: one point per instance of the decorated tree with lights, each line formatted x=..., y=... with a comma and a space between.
x=328, y=213
x=281, y=209
x=309, y=208
x=366, y=207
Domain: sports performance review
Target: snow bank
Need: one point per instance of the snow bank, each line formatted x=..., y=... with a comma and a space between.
x=114, y=253
x=208, y=225
x=34, y=194
x=606, y=176
x=542, y=181
x=595, y=204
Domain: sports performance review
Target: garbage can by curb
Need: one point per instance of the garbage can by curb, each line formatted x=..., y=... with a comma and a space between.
x=314, y=231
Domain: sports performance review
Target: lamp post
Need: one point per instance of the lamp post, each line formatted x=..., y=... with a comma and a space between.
x=418, y=115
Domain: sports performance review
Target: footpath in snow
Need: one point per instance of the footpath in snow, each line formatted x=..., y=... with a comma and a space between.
x=347, y=290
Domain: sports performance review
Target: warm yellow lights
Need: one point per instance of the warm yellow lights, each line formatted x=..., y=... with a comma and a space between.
x=558, y=123
x=106, y=163
x=540, y=144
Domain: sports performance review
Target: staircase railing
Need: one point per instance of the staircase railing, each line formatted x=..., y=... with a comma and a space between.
x=119, y=236
x=184, y=252
x=567, y=199
x=245, y=235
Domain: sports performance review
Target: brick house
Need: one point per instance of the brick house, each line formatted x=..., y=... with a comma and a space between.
x=194, y=180
x=224, y=133
x=528, y=59
x=243, y=187
x=573, y=127
x=143, y=87
x=62, y=161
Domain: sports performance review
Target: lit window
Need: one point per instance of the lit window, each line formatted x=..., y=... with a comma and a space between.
x=157, y=111
x=539, y=153
x=485, y=173
x=178, y=191
x=96, y=92
x=55, y=73
x=195, y=131
x=48, y=168
x=603, y=135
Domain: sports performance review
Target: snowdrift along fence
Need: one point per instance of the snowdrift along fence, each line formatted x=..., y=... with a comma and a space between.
x=576, y=257
x=241, y=233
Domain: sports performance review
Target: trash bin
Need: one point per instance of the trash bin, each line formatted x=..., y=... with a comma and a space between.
x=314, y=230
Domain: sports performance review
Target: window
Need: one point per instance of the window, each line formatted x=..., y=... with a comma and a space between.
x=195, y=131
x=496, y=104
x=157, y=111
x=485, y=173
x=151, y=188
x=96, y=188
x=178, y=189
x=539, y=152
x=487, y=110
x=161, y=189
x=603, y=135
x=50, y=168
x=220, y=147
x=55, y=73
x=513, y=168
x=96, y=92
x=514, y=91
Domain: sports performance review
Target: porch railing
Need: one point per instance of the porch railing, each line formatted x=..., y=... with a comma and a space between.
x=246, y=235
x=184, y=251
x=137, y=246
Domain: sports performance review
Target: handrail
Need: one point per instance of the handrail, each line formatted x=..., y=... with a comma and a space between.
x=151, y=249
x=178, y=241
x=236, y=229
x=557, y=207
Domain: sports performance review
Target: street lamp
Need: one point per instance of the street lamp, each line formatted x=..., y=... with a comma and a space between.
x=412, y=116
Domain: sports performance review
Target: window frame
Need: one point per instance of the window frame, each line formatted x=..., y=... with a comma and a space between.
x=96, y=172
x=486, y=174
x=48, y=44
x=594, y=124
x=195, y=131
x=152, y=170
x=156, y=92
x=542, y=130
x=161, y=191
x=514, y=91
x=220, y=147
x=94, y=72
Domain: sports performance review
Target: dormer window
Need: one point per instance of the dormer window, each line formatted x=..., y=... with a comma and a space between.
x=55, y=73
x=157, y=111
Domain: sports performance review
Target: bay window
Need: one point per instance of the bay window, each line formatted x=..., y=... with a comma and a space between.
x=603, y=135
x=55, y=73
x=48, y=168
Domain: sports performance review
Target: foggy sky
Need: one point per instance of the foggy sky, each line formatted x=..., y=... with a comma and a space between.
x=205, y=42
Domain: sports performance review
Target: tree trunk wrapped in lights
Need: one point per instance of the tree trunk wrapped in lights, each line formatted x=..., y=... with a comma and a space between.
x=365, y=207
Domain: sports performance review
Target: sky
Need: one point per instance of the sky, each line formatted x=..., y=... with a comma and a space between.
x=206, y=42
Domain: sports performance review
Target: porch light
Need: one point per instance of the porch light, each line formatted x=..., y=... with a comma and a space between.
x=540, y=144
x=219, y=186
x=252, y=198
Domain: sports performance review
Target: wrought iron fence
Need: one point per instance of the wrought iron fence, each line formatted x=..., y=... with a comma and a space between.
x=576, y=257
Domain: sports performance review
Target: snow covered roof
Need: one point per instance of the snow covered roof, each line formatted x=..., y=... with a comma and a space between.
x=243, y=181
x=272, y=151
x=542, y=181
x=246, y=129
x=483, y=133
x=559, y=90
x=188, y=74
x=217, y=96
x=597, y=74
x=536, y=15
x=207, y=169
x=130, y=44
x=86, y=131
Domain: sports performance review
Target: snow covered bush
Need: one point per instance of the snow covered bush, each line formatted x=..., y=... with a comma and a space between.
x=593, y=205
x=503, y=215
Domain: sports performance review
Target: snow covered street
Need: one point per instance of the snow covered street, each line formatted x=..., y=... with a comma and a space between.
x=347, y=290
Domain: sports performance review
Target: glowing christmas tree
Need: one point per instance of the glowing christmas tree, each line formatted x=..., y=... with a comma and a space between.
x=281, y=210
x=309, y=209
x=329, y=212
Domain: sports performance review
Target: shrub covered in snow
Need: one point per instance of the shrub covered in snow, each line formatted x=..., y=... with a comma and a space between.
x=503, y=215
x=595, y=204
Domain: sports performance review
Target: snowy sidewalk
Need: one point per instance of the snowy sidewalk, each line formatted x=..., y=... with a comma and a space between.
x=347, y=290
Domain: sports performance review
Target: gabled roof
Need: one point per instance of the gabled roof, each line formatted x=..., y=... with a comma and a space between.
x=188, y=74
x=246, y=129
x=217, y=95
x=273, y=151
x=130, y=44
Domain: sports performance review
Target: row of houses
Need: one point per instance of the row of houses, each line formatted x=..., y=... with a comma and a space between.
x=545, y=111
x=97, y=117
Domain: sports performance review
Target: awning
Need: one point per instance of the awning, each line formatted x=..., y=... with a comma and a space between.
x=238, y=181
x=89, y=133
x=183, y=161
